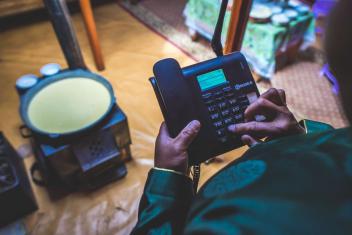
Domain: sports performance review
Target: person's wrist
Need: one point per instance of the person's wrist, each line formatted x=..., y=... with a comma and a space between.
x=179, y=166
x=172, y=171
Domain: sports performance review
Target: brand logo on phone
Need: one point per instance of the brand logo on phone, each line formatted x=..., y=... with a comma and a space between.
x=243, y=85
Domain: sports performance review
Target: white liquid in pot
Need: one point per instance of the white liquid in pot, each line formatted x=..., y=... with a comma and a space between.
x=68, y=105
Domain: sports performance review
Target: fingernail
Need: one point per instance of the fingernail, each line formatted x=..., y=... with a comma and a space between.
x=194, y=125
x=231, y=127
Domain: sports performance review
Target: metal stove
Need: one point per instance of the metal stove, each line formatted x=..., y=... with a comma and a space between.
x=91, y=159
x=91, y=155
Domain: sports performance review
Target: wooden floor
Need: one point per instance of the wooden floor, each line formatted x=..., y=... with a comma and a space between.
x=130, y=50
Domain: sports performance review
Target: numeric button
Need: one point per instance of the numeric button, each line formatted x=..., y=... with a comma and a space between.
x=222, y=105
x=228, y=121
x=242, y=97
x=218, y=124
x=207, y=96
x=244, y=103
x=220, y=99
x=209, y=102
x=232, y=101
x=221, y=132
x=214, y=116
x=239, y=118
x=236, y=109
x=227, y=89
x=218, y=94
x=212, y=108
x=230, y=95
x=225, y=113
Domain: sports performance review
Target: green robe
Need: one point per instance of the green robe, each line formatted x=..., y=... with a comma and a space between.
x=295, y=185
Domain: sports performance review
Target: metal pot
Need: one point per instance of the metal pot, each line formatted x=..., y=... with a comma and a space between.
x=45, y=83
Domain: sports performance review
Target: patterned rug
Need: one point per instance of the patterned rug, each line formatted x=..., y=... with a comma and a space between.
x=165, y=18
x=309, y=95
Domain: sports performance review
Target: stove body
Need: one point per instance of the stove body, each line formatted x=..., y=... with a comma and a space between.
x=16, y=195
x=90, y=159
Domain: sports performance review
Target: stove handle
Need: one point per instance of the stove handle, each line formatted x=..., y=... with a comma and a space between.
x=25, y=132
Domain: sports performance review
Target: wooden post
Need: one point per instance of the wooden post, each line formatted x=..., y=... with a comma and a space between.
x=91, y=29
x=237, y=26
x=61, y=21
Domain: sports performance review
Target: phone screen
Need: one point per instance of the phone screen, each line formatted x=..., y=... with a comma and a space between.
x=212, y=79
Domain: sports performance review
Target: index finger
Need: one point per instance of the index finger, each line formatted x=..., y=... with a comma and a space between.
x=261, y=106
x=277, y=96
x=256, y=129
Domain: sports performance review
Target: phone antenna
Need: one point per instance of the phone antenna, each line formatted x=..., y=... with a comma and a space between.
x=216, y=40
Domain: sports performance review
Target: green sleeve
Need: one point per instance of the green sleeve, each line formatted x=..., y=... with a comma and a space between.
x=164, y=203
x=314, y=126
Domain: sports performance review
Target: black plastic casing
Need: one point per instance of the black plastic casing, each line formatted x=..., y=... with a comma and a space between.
x=180, y=99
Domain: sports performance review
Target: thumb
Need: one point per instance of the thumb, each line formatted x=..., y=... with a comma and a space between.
x=187, y=135
x=163, y=132
x=250, y=141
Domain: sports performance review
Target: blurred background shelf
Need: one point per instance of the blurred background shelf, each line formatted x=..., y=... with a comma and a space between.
x=9, y=7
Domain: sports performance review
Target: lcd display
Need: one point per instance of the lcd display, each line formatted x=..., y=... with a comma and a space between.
x=212, y=79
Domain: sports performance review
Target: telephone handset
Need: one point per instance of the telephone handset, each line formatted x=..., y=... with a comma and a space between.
x=175, y=95
x=215, y=92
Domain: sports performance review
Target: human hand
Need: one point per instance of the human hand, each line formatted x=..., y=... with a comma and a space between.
x=172, y=153
x=279, y=120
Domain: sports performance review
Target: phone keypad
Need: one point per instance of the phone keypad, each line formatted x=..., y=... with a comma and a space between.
x=225, y=109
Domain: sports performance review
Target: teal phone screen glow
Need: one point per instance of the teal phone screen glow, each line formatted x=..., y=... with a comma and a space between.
x=211, y=79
